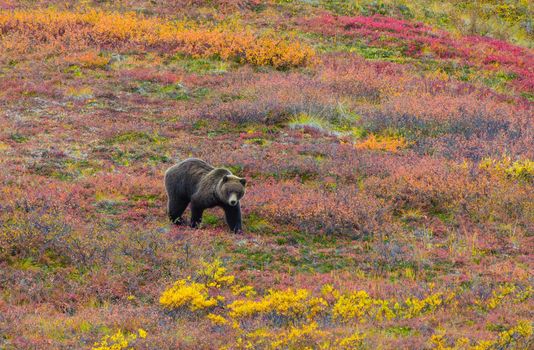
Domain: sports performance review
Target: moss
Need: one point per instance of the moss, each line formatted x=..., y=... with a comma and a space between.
x=257, y=141
x=231, y=97
x=400, y=331
x=236, y=169
x=151, y=198
x=175, y=91
x=125, y=158
x=200, y=124
x=256, y=224
x=19, y=138
x=82, y=167
x=210, y=219
x=74, y=70
x=411, y=215
x=496, y=327
x=27, y=264
x=307, y=120
x=255, y=258
x=66, y=169
x=136, y=137
x=110, y=207
x=529, y=96
x=200, y=65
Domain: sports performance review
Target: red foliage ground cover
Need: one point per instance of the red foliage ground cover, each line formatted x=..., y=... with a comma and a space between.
x=418, y=40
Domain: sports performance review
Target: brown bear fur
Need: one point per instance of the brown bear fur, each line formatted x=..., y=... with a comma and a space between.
x=195, y=181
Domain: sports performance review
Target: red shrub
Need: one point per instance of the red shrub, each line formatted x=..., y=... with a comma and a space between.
x=416, y=39
x=342, y=210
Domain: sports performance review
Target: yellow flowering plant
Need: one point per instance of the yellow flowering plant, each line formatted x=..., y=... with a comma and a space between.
x=119, y=340
x=185, y=293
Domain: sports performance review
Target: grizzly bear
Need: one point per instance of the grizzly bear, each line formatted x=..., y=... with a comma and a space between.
x=195, y=181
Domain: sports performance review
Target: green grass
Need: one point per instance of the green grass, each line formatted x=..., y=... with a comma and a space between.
x=257, y=224
x=341, y=124
x=19, y=138
x=177, y=91
x=136, y=137
x=200, y=65
x=400, y=331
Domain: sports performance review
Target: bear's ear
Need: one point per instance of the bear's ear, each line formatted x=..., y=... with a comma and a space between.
x=225, y=178
x=243, y=181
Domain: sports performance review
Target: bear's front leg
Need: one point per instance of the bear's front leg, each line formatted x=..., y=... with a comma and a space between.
x=196, y=215
x=233, y=218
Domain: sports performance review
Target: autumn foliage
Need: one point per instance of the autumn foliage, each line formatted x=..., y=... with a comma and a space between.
x=22, y=30
x=389, y=170
x=419, y=40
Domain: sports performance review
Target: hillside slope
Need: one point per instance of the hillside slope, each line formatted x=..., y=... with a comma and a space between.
x=388, y=151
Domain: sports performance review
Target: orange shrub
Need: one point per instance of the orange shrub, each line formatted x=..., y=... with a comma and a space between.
x=111, y=29
x=385, y=143
x=89, y=59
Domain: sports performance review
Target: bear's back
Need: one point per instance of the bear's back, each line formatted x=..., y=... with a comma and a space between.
x=185, y=176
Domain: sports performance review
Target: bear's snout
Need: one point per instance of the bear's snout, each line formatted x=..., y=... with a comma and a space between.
x=232, y=200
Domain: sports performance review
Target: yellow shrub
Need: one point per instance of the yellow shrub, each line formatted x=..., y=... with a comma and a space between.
x=522, y=169
x=329, y=291
x=142, y=333
x=119, y=340
x=382, y=310
x=498, y=296
x=483, y=345
x=289, y=303
x=361, y=307
x=247, y=291
x=439, y=342
x=523, y=329
x=518, y=336
x=217, y=320
x=523, y=295
x=246, y=308
x=294, y=318
x=299, y=337
x=354, y=341
x=415, y=307
x=187, y=294
x=259, y=338
x=215, y=274
x=353, y=306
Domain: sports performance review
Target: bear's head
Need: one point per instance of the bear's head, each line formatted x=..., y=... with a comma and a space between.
x=232, y=189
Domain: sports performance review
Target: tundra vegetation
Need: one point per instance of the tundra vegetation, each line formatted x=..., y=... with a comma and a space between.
x=388, y=147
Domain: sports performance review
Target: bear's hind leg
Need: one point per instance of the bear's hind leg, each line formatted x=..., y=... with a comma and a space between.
x=196, y=216
x=176, y=208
